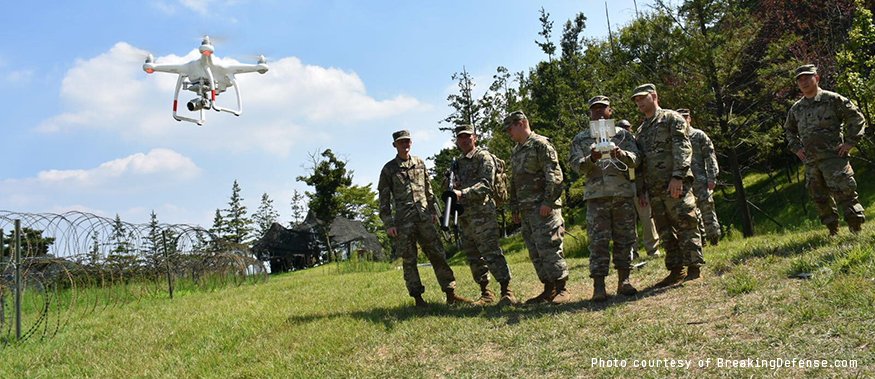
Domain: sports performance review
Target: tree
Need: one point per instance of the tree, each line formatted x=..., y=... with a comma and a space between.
x=154, y=244
x=120, y=237
x=299, y=211
x=237, y=226
x=328, y=175
x=265, y=216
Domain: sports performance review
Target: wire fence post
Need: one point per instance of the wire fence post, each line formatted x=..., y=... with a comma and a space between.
x=17, y=262
x=167, y=263
x=2, y=268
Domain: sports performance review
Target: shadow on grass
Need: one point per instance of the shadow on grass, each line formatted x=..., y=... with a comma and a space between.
x=812, y=242
x=390, y=317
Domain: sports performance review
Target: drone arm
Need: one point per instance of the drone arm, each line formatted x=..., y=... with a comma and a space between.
x=260, y=68
x=150, y=67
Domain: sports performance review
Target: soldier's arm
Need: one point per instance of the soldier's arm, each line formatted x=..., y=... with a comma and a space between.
x=855, y=123
x=682, y=149
x=513, y=202
x=384, y=190
x=429, y=194
x=711, y=168
x=791, y=132
x=485, y=174
x=578, y=159
x=632, y=156
x=552, y=175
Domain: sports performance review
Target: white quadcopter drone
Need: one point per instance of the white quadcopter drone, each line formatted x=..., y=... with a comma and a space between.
x=207, y=79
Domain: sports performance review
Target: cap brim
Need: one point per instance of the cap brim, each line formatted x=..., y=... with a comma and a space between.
x=805, y=73
x=605, y=103
x=401, y=138
x=464, y=132
x=640, y=93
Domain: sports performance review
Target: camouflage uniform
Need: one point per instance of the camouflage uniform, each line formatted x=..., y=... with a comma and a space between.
x=705, y=169
x=610, y=198
x=480, y=231
x=816, y=125
x=665, y=144
x=537, y=180
x=404, y=186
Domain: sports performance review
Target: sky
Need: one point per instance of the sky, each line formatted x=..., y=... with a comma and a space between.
x=85, y=129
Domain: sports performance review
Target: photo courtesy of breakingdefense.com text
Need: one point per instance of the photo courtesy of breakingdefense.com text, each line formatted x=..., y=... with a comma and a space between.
x=724, y=363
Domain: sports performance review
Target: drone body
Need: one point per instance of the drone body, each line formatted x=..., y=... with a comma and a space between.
x=207, y=79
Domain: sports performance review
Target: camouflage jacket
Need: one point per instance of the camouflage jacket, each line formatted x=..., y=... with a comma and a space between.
x=604, y=179
x=474, y=173
x=405, y=186
x=536, y=175
x=665, y=143
x=816, y=125
x=704, y=163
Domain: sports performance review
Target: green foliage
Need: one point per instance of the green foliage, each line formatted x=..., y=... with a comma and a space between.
x=327, y=175
x=360, y=204
x=237, y=226
x=265, y=216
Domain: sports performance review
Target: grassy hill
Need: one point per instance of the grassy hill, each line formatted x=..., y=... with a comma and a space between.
x=354, y=319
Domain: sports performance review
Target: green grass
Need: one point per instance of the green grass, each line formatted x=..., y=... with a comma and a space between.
x=354, y=319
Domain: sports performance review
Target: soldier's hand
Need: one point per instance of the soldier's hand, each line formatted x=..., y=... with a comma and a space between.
x=617, y=153
x=801, y=154
x=711, y=185
x=594, y=155
x=392, y=232
x=458, y=194
x=643, y=201
x=545, y=210
x=844, y=149
x=676, y=187
x=516, y=218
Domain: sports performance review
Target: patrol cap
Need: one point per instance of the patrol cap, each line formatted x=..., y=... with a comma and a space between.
x=463, y=129
x=514, y=117
x=807, y=69
x=401, y=134
x=599, y=100
x=625, y=124
x=644, y=89
x=683, y=111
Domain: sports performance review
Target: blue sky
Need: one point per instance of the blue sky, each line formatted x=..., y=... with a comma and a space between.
x=84, y=128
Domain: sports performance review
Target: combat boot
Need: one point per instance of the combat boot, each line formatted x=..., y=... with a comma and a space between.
x=693, y=273
x=544, y=297
x=486, y=296
x=599, y=293
x=833, y=229
x=714, y=240
x=855, y=227
x=624, y=286
x=674, y=277
x=562, y=294
x=453, y=298
x=507, y=297
x=419, y=302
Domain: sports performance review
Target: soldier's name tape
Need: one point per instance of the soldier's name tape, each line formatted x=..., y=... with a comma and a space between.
x=686, y=364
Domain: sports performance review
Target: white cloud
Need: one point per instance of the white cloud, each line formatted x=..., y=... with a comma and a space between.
x=111, y=92
x=156, y=161
x=199, y=6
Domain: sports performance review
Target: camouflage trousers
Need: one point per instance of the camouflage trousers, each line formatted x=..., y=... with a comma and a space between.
x=610, y=219
x=831, y=183
x=708, y=224
x=677, y=221
x=543, y=237
x=649, y=236
x=426, y=234
x=480, y=233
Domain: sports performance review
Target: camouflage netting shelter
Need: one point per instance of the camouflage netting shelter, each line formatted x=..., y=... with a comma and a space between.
x=287, y=249
x=354, y=236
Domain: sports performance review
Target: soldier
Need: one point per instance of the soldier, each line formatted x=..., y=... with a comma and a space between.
x=705, y=170
x=664, y=141
x=815, y=133
x=610, y=200
x=649, y=235
x=475, y=176
x=535, y=202
x=404, y=185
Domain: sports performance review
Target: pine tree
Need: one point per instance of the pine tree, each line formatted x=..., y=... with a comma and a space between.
x=265, y=216
x=237, y=225
x=153, y=243
x=298, y=209
x=122, y=245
